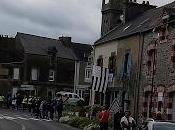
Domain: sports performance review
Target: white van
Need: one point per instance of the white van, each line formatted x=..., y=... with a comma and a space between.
x=72, y=97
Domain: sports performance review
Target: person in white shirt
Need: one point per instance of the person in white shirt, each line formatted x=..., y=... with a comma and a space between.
x=127, y=122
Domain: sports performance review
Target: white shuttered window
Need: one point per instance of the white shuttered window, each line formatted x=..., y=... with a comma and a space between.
x=34, y=74
x=16, y=73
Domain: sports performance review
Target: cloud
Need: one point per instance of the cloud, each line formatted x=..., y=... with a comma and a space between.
x=80, y=19
x=77, y=18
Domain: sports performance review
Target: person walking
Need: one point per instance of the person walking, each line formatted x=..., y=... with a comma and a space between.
x=103, y=118
x=59, y=106
x=159, y=116
x=41, y=109
x=51, y=110
x=127, y=122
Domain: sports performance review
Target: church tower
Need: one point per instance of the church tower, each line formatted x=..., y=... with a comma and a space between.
x=112, y=11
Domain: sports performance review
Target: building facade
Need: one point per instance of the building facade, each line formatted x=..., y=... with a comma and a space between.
x=158, y=67
x=119, y=50
x=41, y=66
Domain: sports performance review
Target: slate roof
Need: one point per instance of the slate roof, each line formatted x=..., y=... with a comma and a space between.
x=82, y=50
x=7, y=53
x=144, y=22
x=39, y=45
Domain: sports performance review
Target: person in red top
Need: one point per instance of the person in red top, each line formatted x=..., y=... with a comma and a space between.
x=103, y=118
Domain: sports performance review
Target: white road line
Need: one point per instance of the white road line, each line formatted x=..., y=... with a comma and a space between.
x=46, y=120
x=34, y=119
x=22, y=118
x=9, y=118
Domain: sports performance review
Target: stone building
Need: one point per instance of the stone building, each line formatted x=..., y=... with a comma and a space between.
x=41, y=66
x=119, y=49
x=84, y=53
x=158, y=65
x=141, y=43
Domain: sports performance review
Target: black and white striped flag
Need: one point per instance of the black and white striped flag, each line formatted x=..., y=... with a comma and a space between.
x=100, y=79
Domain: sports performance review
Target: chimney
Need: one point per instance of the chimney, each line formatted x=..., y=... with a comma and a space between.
x=133, y=9
x=67, y=41
x=147, y=2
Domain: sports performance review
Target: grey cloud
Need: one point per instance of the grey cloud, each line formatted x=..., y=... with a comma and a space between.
x=76, y=17
x=80, y=19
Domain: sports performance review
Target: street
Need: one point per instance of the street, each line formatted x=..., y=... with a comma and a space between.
x=15, y=120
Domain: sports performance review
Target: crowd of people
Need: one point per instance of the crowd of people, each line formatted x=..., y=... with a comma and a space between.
x=47, y=109
x=40, y=108
x=125, y=122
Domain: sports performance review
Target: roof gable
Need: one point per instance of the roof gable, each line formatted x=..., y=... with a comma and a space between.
x=142, y=23
x=39, y=45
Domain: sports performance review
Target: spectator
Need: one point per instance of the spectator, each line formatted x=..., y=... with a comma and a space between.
x=51, y=110
x=127, y=122
x=103, y=118
x=59, y=106
x=14, y=102
x=159, y=116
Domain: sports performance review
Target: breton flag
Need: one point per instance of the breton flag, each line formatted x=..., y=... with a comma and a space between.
x=100, y=78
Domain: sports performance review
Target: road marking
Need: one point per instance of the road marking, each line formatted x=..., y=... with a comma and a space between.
x=22, y=118
x=35, y=119
x=16, y=117
x=46, y=120
x=9, y=118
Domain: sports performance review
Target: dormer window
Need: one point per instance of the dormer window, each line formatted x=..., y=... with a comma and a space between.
x=112, y=62
x=163, y=28
x=51, y=75
x=100, y=61
x=52, y=50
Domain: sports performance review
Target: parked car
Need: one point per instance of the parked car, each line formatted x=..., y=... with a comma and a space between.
x=158, y=125
x=72, y=97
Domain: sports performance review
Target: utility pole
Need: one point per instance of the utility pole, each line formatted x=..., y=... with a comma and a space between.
x=151, y=106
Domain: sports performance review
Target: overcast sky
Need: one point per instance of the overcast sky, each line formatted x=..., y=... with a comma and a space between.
x=79, y=19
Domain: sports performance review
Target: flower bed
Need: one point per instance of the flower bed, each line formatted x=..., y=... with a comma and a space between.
x=81, y=122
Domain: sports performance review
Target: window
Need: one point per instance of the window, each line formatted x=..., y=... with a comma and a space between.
x=51, y=75
x=70, y=95
x=34, y=74
x=112, y=62
x=88, y=73
x=126, y=63
x=89, y=63
x=76, y=96
x=16, y=73
x=100, y=61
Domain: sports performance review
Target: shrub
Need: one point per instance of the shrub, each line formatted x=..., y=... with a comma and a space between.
x=80, y=122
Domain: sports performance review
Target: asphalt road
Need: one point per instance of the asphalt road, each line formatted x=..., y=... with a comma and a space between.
x=15, y=120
